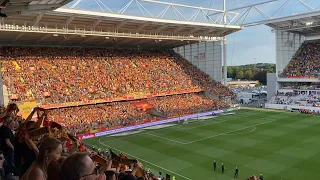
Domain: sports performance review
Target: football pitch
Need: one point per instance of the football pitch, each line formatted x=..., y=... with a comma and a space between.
x=277, y=144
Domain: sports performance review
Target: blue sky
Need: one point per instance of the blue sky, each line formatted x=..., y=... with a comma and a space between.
x=251, y=45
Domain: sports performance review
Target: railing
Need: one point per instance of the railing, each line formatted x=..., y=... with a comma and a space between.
x=82, y=31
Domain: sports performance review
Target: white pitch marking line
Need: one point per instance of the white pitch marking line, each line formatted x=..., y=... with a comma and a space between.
x=165, y=138
x=229, y=132
x=177, y=127
x=145, y=161
x=225, y=133
x=204, y=125
x=241, y=133
x=167, y=128
x=173, y=127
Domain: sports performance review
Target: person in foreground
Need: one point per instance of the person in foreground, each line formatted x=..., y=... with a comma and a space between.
x=1, y=166
x=50, y=149
x=79, y=166
x=7, y=141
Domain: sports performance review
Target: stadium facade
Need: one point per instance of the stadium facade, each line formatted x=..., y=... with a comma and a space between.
x=292, y=92
x=207, y=56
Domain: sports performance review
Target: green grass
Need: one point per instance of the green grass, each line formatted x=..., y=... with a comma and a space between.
x=279, y=145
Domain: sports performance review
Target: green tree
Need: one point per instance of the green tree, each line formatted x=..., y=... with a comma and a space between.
x=239, y=74
x=261, y=76
x=248, y=74
x=231, y=72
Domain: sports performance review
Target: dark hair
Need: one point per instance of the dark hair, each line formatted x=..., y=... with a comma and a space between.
x=30, y=124
x=109, y=175
x=1, y=152
x=47, y=145
x=54, y=167
x=128, y=177
x=73, y=167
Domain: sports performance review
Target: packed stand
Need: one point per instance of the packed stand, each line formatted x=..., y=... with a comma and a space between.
x=185, y=104
x=26, y=155
x=83, y=119
x=57, y=75
x=305, y=63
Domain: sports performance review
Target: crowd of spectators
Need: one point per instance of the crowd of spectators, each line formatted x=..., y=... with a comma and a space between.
x=46, y=157
x=308, y=111
x=305, y=63
x=82, y=119
x=295, y=98
x=57, y=75
x=185, y=104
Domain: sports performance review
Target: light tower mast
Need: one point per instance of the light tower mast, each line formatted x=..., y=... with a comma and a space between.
x=224, y=44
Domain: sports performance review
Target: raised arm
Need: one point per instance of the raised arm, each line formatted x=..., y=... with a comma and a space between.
x=41, y=119
x=31, y=114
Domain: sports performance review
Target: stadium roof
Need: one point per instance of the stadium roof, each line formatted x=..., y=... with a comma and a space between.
x=80, y=27
x=307, y=24
x=17, y=7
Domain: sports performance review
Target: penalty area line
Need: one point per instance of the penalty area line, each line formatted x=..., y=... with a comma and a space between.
x=225, y=133
x=241, y=133
x=101, y=143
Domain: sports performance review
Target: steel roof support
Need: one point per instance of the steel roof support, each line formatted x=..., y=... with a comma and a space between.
x=161, y=28
x=96, y=23
x=37, y=19
x=194, y=30
x=88, y=39
x=118, y=26
x=17, y=37
x=306, y=5
x=178, y=29
x=67, y=38
x=69, y=20
x=33, y=23
x=142, y=26
x=44, y=37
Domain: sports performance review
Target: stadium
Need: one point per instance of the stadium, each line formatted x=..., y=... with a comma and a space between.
x=109, y=95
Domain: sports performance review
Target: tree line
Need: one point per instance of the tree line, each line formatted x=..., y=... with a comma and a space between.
x=251, y=72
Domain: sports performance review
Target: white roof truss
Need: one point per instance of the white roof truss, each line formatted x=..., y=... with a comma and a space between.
x=178, y=14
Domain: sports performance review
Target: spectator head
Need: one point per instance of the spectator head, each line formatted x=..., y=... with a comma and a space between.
x=1, y=159
x=111, y=175
x=54, y=168
x=30, y=125
x=50, y=149
x=78, y=166
x=9, y=122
